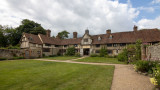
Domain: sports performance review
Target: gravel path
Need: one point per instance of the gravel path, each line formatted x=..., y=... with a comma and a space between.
x=125, y=78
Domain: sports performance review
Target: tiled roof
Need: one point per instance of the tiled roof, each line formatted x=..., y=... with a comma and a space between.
x=146, y=35
x=50, y=40
x=33, y=38
x=71, y=41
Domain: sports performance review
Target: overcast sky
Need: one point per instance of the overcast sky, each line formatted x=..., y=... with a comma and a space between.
x=78, y=15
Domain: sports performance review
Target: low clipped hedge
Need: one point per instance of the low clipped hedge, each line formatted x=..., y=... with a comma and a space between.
x=3, y=58
x=94, y=55
x=14, y=58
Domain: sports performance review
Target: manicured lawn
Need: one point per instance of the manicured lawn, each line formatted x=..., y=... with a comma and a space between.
x=62, y=57
x=44, y=75
x=101, y=60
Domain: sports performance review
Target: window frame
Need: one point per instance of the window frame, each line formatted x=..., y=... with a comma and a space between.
x=86, y=40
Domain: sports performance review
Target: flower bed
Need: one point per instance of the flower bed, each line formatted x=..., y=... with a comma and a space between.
x=156, y=76
x=147, y=68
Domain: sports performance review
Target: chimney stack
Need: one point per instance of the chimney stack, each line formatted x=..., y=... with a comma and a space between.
x=48, y=33
x=74, y=34
x=135, y=28
x=86, y=31
x=108, y=31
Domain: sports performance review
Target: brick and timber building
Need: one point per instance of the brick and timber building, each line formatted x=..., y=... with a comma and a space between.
x=88, y=44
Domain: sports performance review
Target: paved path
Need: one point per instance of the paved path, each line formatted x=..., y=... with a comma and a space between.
x=125, y=78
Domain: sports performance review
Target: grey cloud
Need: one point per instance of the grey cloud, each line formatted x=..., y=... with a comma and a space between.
x=75, y=15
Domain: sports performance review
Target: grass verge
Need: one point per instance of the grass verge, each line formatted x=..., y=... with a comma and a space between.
x=61, y=58
x=101, y=60
x=44, y=75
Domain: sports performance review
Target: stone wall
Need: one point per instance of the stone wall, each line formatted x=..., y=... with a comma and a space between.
x=153, y=52
x=9, y=53
x=26, y=53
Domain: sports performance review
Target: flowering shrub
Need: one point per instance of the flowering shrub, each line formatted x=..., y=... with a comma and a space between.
x=156, y=75
x=145, y=66
x=153, y=81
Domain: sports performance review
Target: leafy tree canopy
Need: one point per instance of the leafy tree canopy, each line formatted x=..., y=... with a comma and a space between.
x=63, y=34
x=8, y=36
x=32, y=27
x=3, y=41
x=11, y=36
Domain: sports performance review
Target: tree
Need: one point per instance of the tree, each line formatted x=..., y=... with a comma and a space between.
x=70, y=51
x=8, y=36
x=123, y=56
x=63, y=34
x=3, y=40
x=138, y=49
x=32, y=27
x=103, y=52
x=12, y=36
x=53, y=36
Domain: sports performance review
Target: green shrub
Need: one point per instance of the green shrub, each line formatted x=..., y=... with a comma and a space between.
x=111, y=56
x=145, y=66
x=94, y=55
x=59, y=54
x=77, y=55
x=13, y=47
x=103, y=52
x=70, y=51
x=52, y=55
x=43, y=55
x=3, y=48
x=123, y=56
x=3, y=58
x=18, y=58
x=14, y=58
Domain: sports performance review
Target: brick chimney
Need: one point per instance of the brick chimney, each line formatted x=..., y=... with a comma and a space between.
x=135, y=28
x=108, y=31
x=86, y=31
x=74, y=34
x=48, y=33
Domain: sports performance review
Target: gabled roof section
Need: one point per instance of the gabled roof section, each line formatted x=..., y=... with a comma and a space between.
x=56, y=41
x=50, y=40
x=146, y=35
x=33, y=38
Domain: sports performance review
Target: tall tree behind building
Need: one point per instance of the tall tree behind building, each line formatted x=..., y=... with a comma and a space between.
x=11, y=36
x=32, y=27
x=63, y=34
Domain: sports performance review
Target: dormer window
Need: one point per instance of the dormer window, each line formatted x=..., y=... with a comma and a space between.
x=110, y=36
x=85, y=40
x=99, y=38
